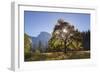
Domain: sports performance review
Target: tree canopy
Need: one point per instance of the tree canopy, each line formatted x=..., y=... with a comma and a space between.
x=66, y=35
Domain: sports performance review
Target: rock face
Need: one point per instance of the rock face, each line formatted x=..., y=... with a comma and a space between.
x=41, y=41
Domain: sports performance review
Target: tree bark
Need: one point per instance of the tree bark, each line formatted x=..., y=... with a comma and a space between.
x=65, y=48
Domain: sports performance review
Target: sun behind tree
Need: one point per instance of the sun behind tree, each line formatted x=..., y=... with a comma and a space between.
x=64, y=36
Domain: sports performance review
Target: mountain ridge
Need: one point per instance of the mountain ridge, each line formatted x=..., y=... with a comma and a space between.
x=41, y=41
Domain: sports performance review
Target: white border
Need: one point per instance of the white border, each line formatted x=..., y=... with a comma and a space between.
x=18, y=48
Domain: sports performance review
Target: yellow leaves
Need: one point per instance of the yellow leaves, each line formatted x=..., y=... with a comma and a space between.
x=75, y=45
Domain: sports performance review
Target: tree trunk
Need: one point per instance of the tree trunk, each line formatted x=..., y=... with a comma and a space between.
x=65, y=46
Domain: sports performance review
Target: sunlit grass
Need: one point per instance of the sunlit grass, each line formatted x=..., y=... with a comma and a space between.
x=59, y=56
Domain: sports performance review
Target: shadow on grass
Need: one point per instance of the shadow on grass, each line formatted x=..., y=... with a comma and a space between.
x=59, y=56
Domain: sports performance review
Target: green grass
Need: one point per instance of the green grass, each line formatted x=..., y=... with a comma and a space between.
x=59, y=56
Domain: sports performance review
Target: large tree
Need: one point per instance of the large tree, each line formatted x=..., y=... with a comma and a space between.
x=65, y=37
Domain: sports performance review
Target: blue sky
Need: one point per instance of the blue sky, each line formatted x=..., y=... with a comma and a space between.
x=37, y=21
